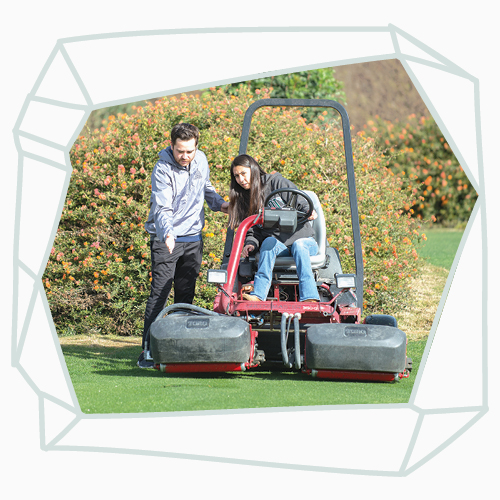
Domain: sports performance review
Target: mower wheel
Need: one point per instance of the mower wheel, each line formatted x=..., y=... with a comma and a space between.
x=381, y=319
x=408, y=364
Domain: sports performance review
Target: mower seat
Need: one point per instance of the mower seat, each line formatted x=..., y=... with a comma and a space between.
x=319, y=227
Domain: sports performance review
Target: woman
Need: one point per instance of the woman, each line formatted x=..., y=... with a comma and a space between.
x=250, y=186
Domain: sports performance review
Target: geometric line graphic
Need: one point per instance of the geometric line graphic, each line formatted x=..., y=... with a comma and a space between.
x=459, y=341
x=69, y=87
x=436, y=430
x=56, y=421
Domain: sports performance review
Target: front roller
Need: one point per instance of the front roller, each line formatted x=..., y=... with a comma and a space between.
x=199, y=340
x=356, y=352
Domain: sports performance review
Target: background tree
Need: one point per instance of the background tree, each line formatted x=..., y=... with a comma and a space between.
x=417, y=151
x=315, y=84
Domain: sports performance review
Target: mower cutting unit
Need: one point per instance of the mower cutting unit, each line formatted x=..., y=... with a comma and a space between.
x=325, y=339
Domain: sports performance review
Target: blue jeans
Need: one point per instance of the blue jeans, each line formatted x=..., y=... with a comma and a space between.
x=301, y=251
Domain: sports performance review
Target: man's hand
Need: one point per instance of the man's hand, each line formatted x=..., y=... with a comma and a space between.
x=170, y=242
x=225, y=207
x=246, y=250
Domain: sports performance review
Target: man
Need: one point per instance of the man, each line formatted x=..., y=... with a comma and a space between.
x=180, y=183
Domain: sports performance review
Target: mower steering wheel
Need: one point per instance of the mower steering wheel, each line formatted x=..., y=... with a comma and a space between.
x=292, y=202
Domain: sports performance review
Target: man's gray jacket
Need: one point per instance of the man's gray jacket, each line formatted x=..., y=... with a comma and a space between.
x=177, y=196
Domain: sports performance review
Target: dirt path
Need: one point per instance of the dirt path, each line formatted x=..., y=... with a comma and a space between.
x=416, y=321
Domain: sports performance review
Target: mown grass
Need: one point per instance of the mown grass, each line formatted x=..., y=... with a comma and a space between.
x=441, y=247
x=107, y=380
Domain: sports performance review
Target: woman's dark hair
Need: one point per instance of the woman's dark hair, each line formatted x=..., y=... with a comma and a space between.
x=245, y=202
x=184, y=132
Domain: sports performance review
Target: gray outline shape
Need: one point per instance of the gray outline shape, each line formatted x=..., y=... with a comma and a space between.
x=38, y=287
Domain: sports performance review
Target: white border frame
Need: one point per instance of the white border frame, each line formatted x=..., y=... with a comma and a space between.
x=62, y=424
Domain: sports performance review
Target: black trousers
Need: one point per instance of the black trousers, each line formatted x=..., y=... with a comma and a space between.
x=181, y=267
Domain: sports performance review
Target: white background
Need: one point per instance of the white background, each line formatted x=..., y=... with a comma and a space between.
x=465, y=469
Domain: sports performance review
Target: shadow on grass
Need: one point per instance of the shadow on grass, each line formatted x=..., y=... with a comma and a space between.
x=107, y=380
x=121, y=362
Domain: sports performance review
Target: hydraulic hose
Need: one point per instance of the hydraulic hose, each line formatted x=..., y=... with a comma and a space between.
x=296, y=318
x=189, y=307
x=284, y=353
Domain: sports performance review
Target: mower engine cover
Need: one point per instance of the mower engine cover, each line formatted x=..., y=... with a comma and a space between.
x=285, y=219
x=191, y=338
x=343, y=346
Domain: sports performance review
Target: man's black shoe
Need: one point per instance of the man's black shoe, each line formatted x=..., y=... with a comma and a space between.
x=142, y=362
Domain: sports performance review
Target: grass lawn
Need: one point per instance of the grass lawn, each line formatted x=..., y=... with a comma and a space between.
x=440, y=247
x=107, y=380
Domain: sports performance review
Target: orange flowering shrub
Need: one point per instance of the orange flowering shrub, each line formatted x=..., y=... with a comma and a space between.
x=98, y=274
x=418, y=152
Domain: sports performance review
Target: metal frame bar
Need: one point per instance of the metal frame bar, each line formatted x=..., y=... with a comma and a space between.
x=351, y=182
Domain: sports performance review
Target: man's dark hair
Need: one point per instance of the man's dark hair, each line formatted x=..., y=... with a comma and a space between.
x=184, y=132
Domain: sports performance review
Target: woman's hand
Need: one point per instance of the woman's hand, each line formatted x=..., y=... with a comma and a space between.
x=313, y=216
x=246, y=250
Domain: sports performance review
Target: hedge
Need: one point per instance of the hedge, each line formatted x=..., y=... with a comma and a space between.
x=417, y=151
x=98, y=274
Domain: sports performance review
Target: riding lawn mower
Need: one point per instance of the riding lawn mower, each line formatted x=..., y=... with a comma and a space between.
x=328, y=339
